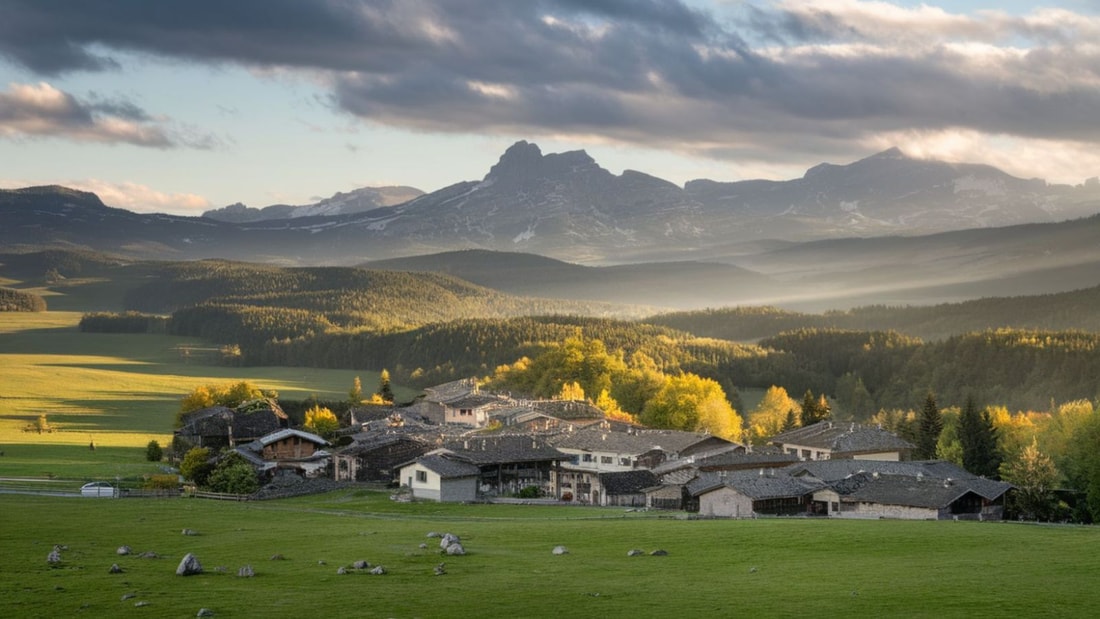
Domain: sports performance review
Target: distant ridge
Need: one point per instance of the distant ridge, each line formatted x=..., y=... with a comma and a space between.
x=692, y=284
x=356, y=201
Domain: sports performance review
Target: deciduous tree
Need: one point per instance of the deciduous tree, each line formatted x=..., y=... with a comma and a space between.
x=321, y=421
x=690, y=402
x=770, y=416
x=1034, y=475
x=196, y=465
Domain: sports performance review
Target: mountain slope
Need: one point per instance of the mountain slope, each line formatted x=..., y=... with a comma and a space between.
x=670, y=284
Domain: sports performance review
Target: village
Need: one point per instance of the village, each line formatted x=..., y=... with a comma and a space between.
x=456, y=443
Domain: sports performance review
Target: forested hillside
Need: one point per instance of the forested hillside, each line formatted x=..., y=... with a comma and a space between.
x=428, y=328
x=1075, y=310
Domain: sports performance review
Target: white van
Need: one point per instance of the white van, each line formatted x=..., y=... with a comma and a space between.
x=98, y=489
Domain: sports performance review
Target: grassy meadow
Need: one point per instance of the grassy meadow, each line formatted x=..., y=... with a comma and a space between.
x=117, y=390
x=762, y=568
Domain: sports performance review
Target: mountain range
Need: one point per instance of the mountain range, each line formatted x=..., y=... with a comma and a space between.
x=887, y=228
x=355, y=201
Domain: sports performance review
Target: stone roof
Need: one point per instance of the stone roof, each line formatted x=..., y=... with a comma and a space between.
x=911, y=491
x=505, y=448
x=835, y=470
x=475, y=400
x=450, y=391
x=627, y=482
x=755, y=485
x=447, y=466
x=366, y=443
x=217, y=420
x=566, y=409
x=843, y=438
x=635, y=442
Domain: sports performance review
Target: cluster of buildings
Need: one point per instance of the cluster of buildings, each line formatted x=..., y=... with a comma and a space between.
x=457, y=443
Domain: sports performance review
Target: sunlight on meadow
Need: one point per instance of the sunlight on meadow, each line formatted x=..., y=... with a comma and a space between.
x=116, y=389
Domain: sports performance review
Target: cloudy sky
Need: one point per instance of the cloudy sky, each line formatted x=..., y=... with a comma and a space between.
x=180, y=106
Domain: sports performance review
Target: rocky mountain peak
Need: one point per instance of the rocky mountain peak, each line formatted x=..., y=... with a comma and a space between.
x=889, y=153
x=519, y=157
x=524, y=160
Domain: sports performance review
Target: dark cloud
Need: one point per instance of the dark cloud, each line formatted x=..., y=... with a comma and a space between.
x=652, y=72
x=40, y=110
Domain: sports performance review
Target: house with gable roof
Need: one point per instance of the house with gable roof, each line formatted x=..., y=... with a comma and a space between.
x=828, y=440
x=509, y=463
x=287, y=450
x=923, y=489
x=439, y=475
x=220, y=427
x=747, y=494
x=593, y=451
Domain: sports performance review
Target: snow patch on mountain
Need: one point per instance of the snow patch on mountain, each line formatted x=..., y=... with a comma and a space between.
x=987, y=186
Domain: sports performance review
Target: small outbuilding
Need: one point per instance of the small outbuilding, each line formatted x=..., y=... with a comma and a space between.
x=441, y=476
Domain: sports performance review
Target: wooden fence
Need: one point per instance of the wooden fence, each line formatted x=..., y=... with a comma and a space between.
x=219, y=496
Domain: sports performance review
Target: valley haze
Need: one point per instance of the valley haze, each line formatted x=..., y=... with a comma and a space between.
x=887, y=228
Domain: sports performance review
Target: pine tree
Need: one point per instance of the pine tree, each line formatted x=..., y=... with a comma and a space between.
x=385, y=392
x=814, y=409
x=930, y=425
x=979, y=441
x=791, y=422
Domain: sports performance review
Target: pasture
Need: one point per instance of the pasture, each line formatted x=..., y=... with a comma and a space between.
x=118, y=391
x=765, y=568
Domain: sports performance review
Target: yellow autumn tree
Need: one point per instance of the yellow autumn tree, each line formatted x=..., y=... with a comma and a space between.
x=611, y=408
x=572, y=391
x=691, y=402
x=769, y=416
x=321, y=421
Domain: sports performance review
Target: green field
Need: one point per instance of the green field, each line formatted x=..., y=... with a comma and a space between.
x=760, y=568
x=118, y=391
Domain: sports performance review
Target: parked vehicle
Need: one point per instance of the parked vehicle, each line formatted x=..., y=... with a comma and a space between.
x=98, y=489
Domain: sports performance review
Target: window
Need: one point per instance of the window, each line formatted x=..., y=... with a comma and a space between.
x=586, y=458
x=422, y=476
x=606, y=460
x=805, y=454
x=624, y=461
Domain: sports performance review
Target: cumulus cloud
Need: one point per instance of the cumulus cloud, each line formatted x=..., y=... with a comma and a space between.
x=41, y=110
x=820, y=78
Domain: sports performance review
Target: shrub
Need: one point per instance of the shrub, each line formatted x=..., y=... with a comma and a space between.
x=529, y=492
x=233, y=475
x=162, y=482
x=196, y=465
x=153, y=451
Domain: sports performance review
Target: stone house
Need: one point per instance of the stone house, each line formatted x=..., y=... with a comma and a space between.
x=626, y=488
x=925, y=489
x=828, y=440
x=593, y=451
x=219, y=427
x=509, y=463
x=745, y=494
x=375, y=457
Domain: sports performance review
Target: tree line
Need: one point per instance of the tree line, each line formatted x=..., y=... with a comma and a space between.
x=12, y=300
x=1065, y=311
